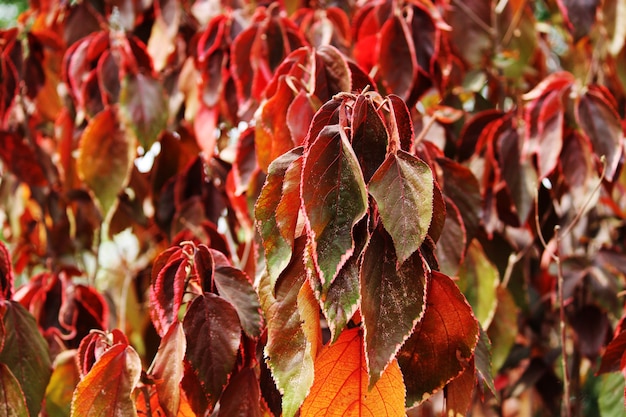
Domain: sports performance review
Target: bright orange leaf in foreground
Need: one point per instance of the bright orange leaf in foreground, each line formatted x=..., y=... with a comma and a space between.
x=341, y=379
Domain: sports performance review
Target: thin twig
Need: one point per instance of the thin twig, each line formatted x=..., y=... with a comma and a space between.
x=567, y=405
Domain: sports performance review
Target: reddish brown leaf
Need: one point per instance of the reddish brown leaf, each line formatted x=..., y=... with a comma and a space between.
x=451, y=246
x=242, y=396
x=602, y=126
x=108, y=386
x=6, y=274
x=167, y=368
x=458, y=392
x=213, y=334
x=166, y=292
x=21, y=159
x=613, y=355
x=340, y=386
x=334, y=199
x=442, y=343
x=369, y=136
x=235, y=287
x=397, y=61
x=392, y=300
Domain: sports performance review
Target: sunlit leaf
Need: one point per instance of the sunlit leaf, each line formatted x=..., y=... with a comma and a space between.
x=277, y=228
x=105, y=158
x=25, y=353
x=144, y=107
x=13, y=400
x=403, y=190
x=289, y=353
x=611, y=395
x=167, y=368
x=107, y=388
x=392, y=300
x=459, y=392
x=334, y=198
x=340, y=386
x=65, y=377
x=442, y=342
x=235, y=287
x=213, y=334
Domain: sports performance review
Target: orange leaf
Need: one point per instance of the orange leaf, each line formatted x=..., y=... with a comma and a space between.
x=107, y=388
x=340, y=385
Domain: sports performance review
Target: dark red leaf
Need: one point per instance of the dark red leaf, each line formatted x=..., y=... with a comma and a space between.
x=6, y=274
x=431, y=358
x=369, y=136
x=235, y=287
x=22, y=159
x=397, y=61
x=168, y=368
x=242, y=396
x=167, y=291
x=213, y=334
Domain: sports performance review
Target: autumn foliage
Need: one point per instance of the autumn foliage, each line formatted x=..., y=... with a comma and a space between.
x=342, y=208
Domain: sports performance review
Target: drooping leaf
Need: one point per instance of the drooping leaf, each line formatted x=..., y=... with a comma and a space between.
x=65, y=377
x=107, y=388
x=397, y=61
x=403, y=190
x=451, y=246
x=478, y=280
x=343, y=297
x=213, y=334
x=602, y=125
x=242, y=396
x=6, y=275
x=25, y=353
x=334, y=199
x=442, y=343
x=105, y=158
x=612, y=357
x=459, y=392
x=13, y=400
x=144, y=107
x=235, y=287
x=277, y=228
x=503, y=329
x=483, y=362
x=340, y=386
x=369, y=136
x=549, y=135
x=392, y=300
x=611, y=395
x=289, y=353
x=167, y=368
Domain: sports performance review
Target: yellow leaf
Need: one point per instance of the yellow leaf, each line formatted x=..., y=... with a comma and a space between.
x=341, y=379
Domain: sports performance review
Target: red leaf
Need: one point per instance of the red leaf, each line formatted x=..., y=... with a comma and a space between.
x=442, y=343
x=451, y=246
x=459, y=392
x=334, y=199
x=235, y=287
x=213, y=335
x=21, y=159
x=549, y=136
x=167, y=290
x=108, y=386
x=612, y=356
x=6, y=274
x=397, y=61
x=392, y=300
x=369, y=136
x=602, y=126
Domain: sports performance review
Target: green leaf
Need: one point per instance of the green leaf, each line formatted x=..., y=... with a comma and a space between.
x=13, y=400
x=343, y=297
x=63, y=381
x=611, y=397
x=478, y=280
x=503, y=330
x=335, y=198
x=482, y=359
x=442, y=342
x=235, y=287
x=403, y=190
x=106, y=390
x=392, y=300
x=144, y=107
x=105, y=158
x=25, y=353
x=213, y=335
x=276, y=211
x=289, y=353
